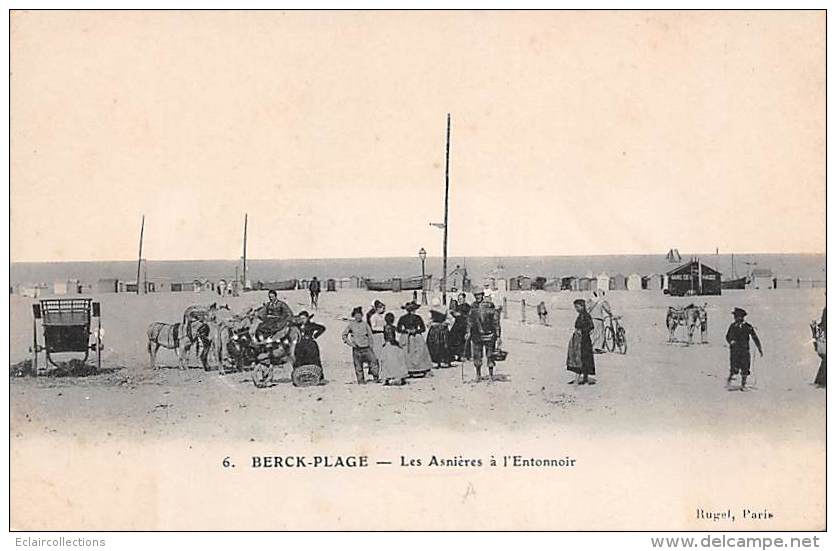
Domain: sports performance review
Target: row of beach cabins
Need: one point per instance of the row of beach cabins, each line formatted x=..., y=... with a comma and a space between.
x=457, y=281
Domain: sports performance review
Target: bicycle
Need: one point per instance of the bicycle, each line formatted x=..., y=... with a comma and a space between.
x=615, y=336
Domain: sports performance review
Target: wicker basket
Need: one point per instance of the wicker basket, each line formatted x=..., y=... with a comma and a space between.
x=306, y=375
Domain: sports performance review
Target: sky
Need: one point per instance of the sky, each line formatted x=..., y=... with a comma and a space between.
x=572, y=133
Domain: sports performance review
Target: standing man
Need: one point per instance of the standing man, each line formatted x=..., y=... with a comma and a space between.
x=483, y=332
x=738, y=338
x=314, y=287
x=358, y=335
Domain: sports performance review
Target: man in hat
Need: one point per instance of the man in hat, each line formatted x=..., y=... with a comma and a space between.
x=314, y=287
x=274, y=318
x=358, y=335
x=738, y=338
x=483, y=332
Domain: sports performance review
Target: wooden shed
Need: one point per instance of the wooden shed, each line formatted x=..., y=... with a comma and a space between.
x=694, y=278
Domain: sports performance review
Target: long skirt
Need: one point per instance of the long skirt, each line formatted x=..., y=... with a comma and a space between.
x=438, y=343
x=821, y=376
x=377, y=343
x=598, y=334
x=417, y=356
x=579, y=357
x=456, y=342
x=307, y=352
x=392, y=363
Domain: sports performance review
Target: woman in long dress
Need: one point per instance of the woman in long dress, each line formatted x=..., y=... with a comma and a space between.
x=438, y=336
x=457, y=332
x=307, y=350
x=376, y=320
x=580, y=358
x=392, y=361
x=411, y=328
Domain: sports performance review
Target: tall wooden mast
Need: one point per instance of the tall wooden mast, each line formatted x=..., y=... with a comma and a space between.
x=446, y=211
x=139, y=259
x=244, y=277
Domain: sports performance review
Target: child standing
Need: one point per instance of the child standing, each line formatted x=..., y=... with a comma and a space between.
x=358, y=335
x=738, y=338
x=392, y=363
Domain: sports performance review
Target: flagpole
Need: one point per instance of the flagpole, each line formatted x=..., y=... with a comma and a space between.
x=446, y=211
x=139, y=258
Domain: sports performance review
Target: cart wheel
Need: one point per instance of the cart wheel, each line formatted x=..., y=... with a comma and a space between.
x=621, y=340
x=261, y=374
x=609, y=339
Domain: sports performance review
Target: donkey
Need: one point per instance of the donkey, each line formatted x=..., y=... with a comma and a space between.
x=691, y=317
x=173, y=337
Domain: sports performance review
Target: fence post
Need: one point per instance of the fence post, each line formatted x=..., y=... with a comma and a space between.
x=523, y=311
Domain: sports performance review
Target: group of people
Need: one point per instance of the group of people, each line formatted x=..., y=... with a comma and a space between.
x=392, y=351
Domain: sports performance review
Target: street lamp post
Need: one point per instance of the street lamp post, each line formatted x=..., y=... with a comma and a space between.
x=422, y=254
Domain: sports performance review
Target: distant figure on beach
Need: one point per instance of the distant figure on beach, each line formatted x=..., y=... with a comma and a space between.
x=274, y=318
x=483, y=332
x=314, y=288
x=599, y=310
x=542, y=313
x=307, y=350
x=392, y=361
x=820, y=334
x=580, y=359
x=358, y=335
x=438, y=336
x=738, y=338
x=375, y=317
x=411, y=328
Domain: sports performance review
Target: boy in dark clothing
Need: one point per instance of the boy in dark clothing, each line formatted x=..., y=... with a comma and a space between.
x=738, y=338
x=314, y=287
x=483, y=332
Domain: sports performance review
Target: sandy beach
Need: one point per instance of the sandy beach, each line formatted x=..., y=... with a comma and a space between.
x=660, y=410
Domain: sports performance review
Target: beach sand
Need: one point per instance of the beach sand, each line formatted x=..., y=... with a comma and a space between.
x=657, y=438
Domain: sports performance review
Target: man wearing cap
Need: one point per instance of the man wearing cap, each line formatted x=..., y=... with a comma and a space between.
x=358, y=335
x=738, y=338
x=483, y=332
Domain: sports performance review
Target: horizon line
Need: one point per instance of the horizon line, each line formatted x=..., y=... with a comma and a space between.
x=683, y=255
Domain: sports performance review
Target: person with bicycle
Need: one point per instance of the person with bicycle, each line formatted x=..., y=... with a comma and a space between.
x=599, y=310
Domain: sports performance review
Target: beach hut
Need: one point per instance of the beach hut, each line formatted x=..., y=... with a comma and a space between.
x=653, y=282
x=618, y=282
x=569, y=283
x=458, y=280
x=634, y=282
x=819, y=283
x=107, y=285
x=553, y=284
x=603, y=282
x=761, y=278
x=524, y=283
x=785, y=283
x=694, y=278
x=584, y=284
